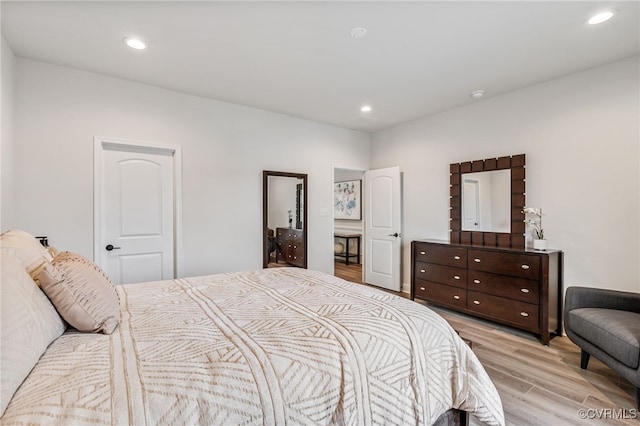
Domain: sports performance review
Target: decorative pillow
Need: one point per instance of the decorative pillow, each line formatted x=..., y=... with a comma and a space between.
x=32, y=255
x=28, y=324
x=82, y=293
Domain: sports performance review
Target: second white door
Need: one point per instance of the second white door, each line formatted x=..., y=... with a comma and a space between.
x=137, y=214
x=383, y=227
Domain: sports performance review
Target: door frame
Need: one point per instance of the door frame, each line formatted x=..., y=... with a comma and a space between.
x=99, y=145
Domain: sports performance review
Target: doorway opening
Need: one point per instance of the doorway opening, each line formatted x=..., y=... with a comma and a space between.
x=348, y=224
x=367, y=226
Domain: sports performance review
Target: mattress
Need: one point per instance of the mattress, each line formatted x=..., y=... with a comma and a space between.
x=275, y=346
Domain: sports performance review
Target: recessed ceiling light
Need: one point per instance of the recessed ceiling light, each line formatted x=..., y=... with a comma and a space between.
x=358, y=32
x=477, y=94
x=135, y=43
x=365, y=108
x=601, y=17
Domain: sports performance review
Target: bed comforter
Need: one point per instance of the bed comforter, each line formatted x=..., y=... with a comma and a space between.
x=274, y=347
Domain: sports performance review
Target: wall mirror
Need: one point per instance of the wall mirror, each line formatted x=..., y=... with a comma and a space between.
x=486, y=201
x=284, y=219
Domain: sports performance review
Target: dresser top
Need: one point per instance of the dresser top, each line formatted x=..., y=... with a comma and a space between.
x=472, y=246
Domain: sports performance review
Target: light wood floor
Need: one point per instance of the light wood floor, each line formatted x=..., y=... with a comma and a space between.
x=538, y=385
x=352, y=273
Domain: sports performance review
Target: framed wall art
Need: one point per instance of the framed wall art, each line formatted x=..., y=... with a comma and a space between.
x=347, y=200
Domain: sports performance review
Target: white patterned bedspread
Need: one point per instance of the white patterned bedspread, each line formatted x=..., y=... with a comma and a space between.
x=273, y=347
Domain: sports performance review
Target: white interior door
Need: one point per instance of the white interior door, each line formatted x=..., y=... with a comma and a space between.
x=135, y=240
x=383, y=227
x=470, y=205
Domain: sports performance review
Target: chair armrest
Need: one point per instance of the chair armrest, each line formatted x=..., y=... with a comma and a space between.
x=586, y=297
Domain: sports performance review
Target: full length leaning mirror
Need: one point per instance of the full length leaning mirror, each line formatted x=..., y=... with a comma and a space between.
x=487, y=198
x=284, y=219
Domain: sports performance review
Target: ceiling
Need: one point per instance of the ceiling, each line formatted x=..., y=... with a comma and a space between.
x=298, y=58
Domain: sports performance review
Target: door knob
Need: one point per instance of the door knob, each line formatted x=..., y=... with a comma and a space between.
x=395, y=234
x=110, y=247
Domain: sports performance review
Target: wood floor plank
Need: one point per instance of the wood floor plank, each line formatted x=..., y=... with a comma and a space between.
x=507, y=383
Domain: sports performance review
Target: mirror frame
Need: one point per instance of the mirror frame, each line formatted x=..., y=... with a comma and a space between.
x=513, y=239
x=265, y=209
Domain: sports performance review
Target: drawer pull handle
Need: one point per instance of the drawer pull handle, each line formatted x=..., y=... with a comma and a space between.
x=476, y=281
x=524, y=314
x=524, y=290
x=423, y=252
x=525, y=267
x=422, y=288
x=477, y=260
x=476, y=302
x=456, y=277
x=456, y=257
x=423, y=270
x=456, y=297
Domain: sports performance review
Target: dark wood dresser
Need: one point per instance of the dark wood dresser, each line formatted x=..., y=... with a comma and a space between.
x=517, y=287
x=290, y=246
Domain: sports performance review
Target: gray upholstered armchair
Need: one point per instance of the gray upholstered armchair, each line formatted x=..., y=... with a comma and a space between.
x=606, y=324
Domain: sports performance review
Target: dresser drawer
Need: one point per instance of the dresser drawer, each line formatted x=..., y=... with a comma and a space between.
x=295, y=254
x=441, y=274
x=296, y=246
x=442, y=255
x=514, y=264
x=512, y=311
x=442, y=294
x=505, y=286
x=289, y=234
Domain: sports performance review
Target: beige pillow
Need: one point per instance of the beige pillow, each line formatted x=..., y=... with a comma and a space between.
x=82, y=293
x=32, y=255
x=28, y=324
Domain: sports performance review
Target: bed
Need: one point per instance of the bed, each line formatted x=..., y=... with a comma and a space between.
x=274, y=346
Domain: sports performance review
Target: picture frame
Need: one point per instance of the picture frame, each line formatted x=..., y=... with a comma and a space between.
x=347, y=200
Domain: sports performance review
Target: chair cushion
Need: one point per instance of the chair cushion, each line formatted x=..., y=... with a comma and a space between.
x=615, y=332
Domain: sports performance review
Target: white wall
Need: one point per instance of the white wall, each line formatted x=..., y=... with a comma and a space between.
x=581, y=135
x=6, y=135
x=225, y=147
x=500, y=204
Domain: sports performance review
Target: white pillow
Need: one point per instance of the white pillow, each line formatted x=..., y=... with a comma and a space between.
x=28, y=324
x=32, y=255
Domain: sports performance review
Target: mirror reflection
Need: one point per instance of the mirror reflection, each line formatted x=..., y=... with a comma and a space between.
x=486, y=201
x=284, y=219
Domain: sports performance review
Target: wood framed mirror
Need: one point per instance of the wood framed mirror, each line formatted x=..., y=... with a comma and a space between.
x=476, y=217
x=284, y=219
